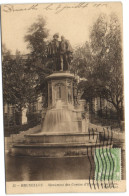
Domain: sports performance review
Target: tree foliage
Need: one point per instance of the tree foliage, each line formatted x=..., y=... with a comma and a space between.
x=36, y=39
x=105, y=78
x=18, y=83
x=82, y=61
x=24, y=80
x=38, y=62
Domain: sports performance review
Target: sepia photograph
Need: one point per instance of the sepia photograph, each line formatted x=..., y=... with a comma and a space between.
x=63, y=97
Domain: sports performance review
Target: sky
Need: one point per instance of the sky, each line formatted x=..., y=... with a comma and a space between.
x=71, y=20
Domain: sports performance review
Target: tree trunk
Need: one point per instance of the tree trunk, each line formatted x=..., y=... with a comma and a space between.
x=119, y=114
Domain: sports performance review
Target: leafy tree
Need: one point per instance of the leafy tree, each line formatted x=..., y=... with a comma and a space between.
x=38, y=63
x=18, y=84
x=36, y=39
x=105, y=79
x=82, y=61
x=108, y=71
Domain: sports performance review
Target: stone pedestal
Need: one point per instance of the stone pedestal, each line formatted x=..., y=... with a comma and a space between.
x=60, y=87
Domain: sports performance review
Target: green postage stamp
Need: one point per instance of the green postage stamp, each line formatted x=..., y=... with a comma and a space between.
x=108, y=164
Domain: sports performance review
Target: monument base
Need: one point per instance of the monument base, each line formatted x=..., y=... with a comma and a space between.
x=58, y=145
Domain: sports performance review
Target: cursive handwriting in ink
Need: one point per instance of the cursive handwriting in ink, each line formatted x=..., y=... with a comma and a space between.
x=10, y=8
x=62, y=7
x=56, y=8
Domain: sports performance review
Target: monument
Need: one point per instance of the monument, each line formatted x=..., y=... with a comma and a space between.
x=60, y=52
x=64, y=130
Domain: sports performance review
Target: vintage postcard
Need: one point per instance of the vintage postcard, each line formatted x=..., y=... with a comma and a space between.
x=63, y=97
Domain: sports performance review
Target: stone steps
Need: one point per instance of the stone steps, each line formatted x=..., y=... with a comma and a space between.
x=56, y=150
x=61, y=138
x=62, y=145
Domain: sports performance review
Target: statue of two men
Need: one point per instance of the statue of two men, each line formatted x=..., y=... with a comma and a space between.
x=60, y=52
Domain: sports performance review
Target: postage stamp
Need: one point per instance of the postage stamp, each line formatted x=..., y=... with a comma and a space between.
x=107, y=164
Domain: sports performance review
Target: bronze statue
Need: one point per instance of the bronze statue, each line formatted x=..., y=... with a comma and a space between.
x=60, y=52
